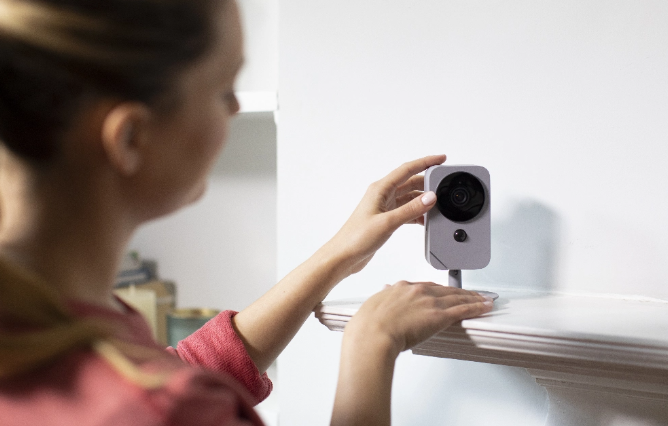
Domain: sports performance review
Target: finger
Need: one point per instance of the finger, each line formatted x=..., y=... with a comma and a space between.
x=428, y=283
x=460, y=299
x=400, y=175
x=448, y=296
x=458, y=295
x=453, y=295
x=469, y=310
x=407, y=198
x=445, y=287
x=415, y=183
x=411, y=211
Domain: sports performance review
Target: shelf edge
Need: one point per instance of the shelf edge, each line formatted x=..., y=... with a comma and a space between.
x=261, y=101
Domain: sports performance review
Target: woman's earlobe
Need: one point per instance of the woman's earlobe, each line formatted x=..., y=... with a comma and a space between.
x=122, y=136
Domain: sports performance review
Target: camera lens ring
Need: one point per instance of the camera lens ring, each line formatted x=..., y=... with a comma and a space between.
x=460, y=196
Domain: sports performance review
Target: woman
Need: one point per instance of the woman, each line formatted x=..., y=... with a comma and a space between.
x=111, y=114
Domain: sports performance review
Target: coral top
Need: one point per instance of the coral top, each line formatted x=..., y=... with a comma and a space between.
x=213, y=383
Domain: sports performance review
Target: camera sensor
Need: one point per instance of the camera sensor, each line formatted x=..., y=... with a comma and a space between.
x=461, y=197
x=460, y=235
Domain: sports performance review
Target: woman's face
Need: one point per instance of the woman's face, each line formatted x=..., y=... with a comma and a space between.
x=186, y=141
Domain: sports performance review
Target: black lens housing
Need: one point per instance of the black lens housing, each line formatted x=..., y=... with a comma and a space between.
x=460, y=196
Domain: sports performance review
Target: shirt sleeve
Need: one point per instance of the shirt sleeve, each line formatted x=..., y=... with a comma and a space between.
x=203, y=400
x=216, y=346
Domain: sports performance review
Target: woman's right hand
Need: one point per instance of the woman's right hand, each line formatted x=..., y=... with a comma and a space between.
x=406, y=314
x=389, y=322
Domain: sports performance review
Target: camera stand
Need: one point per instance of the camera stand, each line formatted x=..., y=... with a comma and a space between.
x=455, y=280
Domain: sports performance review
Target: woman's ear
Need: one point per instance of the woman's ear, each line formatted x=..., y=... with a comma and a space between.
x=124, y=135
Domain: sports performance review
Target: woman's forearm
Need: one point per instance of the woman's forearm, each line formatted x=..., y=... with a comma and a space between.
x=267, y=326
x=364, y=388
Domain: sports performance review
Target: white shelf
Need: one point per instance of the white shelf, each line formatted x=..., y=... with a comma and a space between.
x=257, y=101
x=589, y=352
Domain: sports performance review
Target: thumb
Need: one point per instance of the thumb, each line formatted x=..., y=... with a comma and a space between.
x=412, y=210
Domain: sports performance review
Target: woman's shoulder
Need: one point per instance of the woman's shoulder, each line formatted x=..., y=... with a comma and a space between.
x=83, y=388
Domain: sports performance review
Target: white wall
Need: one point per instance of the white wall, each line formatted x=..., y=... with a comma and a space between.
x=565, y=102
x=221, y=251
x=260, y=25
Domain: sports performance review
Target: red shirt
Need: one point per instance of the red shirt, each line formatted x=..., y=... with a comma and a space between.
x=219, y=387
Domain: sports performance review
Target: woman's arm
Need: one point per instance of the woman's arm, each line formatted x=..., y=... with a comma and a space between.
x=388, y=323
x=268, y=325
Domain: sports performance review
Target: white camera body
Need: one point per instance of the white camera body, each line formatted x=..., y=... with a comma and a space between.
x=458, y=228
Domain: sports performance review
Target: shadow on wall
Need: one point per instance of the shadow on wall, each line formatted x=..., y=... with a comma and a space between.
x=524, y=249
x=250, y=148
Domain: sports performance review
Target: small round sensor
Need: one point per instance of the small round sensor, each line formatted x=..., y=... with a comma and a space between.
x=460, y=235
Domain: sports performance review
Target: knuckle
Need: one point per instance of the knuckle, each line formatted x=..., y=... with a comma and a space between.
x=433, y=304
x=469, y=308
x=419, y=289
x=385, y=223
x=415, y=207
x=461, y=311
x=373, y=187
x=406, y=168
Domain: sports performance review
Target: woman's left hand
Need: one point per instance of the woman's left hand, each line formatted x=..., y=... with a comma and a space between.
x=396, y=199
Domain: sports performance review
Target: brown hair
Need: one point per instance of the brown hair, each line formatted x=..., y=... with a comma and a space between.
x=57, y=54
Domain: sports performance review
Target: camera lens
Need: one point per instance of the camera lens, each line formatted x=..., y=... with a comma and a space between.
x=460, y=197
x=460, y=235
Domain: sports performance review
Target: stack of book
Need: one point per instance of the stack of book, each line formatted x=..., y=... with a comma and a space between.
x=135, y=270
x=138, y=285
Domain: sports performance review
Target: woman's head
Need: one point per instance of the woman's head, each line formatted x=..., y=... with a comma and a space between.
x=58, y=58
x=111, y=113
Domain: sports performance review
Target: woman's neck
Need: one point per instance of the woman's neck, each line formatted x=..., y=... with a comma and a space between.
x=71, y=234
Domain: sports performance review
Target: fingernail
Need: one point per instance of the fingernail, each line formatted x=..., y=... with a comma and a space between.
x=488, y=303
x=489, y=298
x=428, y=198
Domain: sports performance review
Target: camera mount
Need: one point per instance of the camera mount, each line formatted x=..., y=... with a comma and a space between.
x=455, y=280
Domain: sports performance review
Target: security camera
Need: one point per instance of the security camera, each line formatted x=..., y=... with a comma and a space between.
x=458, y=228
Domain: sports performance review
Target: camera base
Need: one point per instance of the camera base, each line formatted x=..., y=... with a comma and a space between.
x=455, y=280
